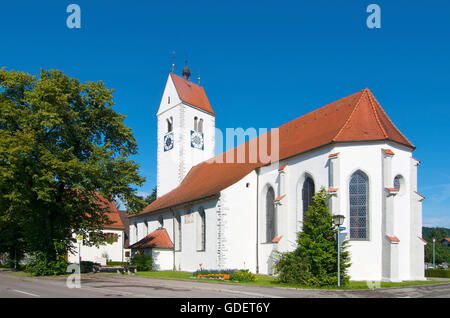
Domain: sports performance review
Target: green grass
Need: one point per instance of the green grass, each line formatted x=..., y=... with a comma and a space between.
x=269, y=281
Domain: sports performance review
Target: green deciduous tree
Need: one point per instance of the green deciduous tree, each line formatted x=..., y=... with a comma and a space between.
x=61, y=144
x=314, y=261
x=442, y=252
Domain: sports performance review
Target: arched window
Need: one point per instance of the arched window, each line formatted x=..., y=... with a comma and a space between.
x=195, y=123
x=359, y=206
x=307, y=194
x=161, y=221
x=201, y=230
x=397, y=183
x=270, y=215
x=169, y=124
x=200, y=126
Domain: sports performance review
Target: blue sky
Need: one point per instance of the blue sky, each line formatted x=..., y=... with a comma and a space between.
x=262, y=63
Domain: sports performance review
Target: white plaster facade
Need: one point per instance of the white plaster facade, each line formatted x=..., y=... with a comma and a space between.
x=115, y=251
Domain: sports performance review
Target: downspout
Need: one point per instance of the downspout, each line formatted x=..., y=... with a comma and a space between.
x=257, y=220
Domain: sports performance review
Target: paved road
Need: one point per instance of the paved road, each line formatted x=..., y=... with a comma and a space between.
x=123, y=286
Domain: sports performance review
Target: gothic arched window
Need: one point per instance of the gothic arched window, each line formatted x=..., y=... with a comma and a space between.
x=270, y=215
x=359, y=206
x=201, y=238
x=307, y=194
x=195, y=123
x=200, y=126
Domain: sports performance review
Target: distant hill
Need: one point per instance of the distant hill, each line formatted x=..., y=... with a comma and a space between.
x=426, y=231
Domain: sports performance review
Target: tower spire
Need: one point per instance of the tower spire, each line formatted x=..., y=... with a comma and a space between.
x=186, y=71
x=173, y=61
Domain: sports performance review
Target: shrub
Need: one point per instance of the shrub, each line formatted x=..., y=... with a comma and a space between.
x=88, y=267
x=314, y=262
x=117, y=263
x=437, y=272
x=41, y=265
x=234, y=274
x=243, y=276
x=142, y=262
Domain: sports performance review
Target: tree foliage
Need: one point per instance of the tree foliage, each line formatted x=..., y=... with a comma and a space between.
x=61, y=145
x=442, y=252
x=314, y=261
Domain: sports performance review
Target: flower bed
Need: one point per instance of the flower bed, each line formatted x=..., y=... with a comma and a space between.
x=227, y=274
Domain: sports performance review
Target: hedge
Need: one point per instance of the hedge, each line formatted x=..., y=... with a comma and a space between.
x=117, y=263
x=437, y=272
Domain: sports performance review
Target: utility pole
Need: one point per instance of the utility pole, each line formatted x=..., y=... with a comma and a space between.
x=434, y=252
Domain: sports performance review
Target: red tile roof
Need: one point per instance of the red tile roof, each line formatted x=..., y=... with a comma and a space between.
x=191, y=93
x=388, y=152
x=158, y=238
x=446, y=239
x=393, y=238
x=357, y=117
x=333, y=155
x=111, y=212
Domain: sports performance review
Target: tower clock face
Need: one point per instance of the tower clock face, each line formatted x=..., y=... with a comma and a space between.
x=168, y=141
x=196, y=140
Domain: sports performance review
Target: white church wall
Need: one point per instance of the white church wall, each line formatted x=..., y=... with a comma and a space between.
x=402, y=207
x=190, y=258
x=290, y=213
x=240, y=223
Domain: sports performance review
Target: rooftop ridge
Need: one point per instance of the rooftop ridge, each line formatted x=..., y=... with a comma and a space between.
x=390, y=121
x=349, y=117
x=369, y=95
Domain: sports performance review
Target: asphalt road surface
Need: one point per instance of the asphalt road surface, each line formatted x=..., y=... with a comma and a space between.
x=124, y=286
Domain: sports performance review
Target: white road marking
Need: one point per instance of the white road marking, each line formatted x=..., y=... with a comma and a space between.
x=19, y=291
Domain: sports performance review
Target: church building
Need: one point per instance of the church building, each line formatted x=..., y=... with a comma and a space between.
x=216, y=214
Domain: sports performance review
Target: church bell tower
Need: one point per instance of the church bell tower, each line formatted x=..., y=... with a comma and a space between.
x=186, y=130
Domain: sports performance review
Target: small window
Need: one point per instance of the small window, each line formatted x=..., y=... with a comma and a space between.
x=161, y=221
x=200, y=126
x=145, y=227
x=195, y=123
x=399, y=184
x=168, y=99
x=169, y=124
